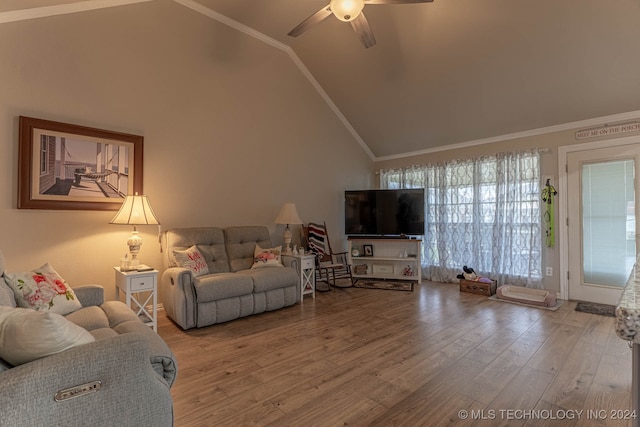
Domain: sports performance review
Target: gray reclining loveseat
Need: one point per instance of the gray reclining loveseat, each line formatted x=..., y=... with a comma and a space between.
x=232, y=289
x=121, y=378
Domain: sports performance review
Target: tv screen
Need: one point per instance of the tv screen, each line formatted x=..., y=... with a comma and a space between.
x=384, y=212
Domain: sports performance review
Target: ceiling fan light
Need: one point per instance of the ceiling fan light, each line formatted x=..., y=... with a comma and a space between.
x=346, y=10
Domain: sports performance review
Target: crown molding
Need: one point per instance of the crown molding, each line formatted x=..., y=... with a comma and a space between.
x=305, y=71
x=524, y=134
x=194, y=5
x=62, y=9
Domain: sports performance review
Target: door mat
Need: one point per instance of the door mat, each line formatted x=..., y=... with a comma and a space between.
x=388, y=285
x=595, y=308
x=552, y=308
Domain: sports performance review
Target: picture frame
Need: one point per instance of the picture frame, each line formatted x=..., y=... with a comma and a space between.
x=71, y=167
x=368, y=250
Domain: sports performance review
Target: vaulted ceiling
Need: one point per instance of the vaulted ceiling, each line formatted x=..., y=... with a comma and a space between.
x=454, y=71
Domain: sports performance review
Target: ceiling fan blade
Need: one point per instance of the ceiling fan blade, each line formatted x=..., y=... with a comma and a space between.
x=396, y=1
x=361, y=26
x=317, y=17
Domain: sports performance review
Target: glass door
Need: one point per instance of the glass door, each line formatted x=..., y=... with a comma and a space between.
x=601, y=221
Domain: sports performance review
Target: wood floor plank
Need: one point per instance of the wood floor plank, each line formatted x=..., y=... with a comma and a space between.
x=432, y=403
x=486, y=386
x=365, y=357
x=570, y=386
x=606, y=407
x=522, y=350
x=520, y=396
x=554, y=416
x=554, y=352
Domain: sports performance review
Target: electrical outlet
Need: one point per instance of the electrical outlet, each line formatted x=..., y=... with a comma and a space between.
x=549, y=271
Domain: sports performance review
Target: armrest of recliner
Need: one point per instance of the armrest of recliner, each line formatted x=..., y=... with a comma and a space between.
x=178, y=296
x=63, y=388
x=89, y=295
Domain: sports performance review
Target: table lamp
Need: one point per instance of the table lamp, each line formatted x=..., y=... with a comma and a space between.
x=288, y=215
x=135, y=210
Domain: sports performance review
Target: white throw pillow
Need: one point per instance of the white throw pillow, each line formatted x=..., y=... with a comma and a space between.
x=27, y=335
x=267, y=257
x=43, y=289
x=193, y=260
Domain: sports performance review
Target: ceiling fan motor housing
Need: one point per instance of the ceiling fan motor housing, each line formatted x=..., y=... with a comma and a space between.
x=346, y=10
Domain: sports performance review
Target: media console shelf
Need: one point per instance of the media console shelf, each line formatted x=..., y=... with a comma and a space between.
x=385, y=258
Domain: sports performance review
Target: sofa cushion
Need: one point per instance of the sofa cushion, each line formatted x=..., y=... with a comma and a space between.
x=103, y=333
x=89, y=318
x=117, y=312
x=266, y=279
x=215, y=256
x=103, y=321
x=220, y=286
x=241, y=244
x=43, y=289
x=26, y=334
x=132, y=326
x=192, y=259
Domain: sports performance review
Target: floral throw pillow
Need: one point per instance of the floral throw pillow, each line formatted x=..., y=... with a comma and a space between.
x=193, y=260
x=267, y=257
x=43, y=289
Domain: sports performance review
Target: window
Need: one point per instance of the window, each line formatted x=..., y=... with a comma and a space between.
x=483, y=213
x=44, y=155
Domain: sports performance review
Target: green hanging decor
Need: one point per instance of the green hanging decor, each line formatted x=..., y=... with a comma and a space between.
x=548, y=193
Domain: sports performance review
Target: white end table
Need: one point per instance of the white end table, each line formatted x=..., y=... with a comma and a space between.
x=305, y=266
x=139, y=285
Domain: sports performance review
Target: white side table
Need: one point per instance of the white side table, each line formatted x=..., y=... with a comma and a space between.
x=139, y=285
x=306, y=269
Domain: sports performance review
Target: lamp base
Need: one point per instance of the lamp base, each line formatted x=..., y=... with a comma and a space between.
x=134, y=243
x=287, y=241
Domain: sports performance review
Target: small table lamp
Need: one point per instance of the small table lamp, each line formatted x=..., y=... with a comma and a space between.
x=135, y=210
x=288, y=215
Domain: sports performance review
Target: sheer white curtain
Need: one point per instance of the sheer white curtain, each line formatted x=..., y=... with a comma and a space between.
x=483, y=213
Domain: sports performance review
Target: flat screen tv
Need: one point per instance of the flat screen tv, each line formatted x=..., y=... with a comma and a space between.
x=384, y=212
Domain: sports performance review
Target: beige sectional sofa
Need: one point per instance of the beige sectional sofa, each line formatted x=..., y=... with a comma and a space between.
x=231, y=288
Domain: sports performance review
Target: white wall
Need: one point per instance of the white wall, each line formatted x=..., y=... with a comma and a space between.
x=232, y=130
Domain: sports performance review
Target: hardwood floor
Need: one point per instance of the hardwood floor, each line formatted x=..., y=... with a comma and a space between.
x=382, y=358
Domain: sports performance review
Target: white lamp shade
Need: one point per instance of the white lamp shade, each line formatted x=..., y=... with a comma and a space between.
x=346, y=10
x=288, y=215
x=135, y=210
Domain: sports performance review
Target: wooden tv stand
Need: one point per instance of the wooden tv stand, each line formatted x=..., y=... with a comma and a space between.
x=387, y=260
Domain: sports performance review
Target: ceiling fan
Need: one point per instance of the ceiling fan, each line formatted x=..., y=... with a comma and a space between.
x=348, y=11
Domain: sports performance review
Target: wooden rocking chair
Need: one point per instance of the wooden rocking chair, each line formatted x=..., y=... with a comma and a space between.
x=329, y=265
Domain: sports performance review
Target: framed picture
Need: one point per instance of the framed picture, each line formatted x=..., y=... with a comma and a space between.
x=368, y=250
x=65, y=166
